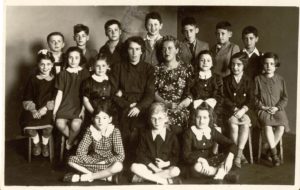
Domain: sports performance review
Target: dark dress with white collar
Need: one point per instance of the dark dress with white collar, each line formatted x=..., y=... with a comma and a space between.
x=40, y=92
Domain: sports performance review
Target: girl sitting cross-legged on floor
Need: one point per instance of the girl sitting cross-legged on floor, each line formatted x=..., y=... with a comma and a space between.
x=100, y=153
x=198, y=143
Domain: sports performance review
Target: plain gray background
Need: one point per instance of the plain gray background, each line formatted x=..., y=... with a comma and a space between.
x=27, y=28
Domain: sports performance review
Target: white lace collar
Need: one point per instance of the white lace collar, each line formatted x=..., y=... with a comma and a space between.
x=99, y=78
x=45, y=77
x=97, y=134
x=199, y=133
x=74, y=70
x=161, y=132
x=205, y=75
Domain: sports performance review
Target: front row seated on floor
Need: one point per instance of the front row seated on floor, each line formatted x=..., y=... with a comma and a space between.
x=100, y=153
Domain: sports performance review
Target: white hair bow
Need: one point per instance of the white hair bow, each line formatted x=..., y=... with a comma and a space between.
x=43, y=51
x=210, y=101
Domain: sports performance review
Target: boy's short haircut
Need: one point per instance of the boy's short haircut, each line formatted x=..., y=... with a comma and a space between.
x=249, y=30
x=111, y=22
x=55, y=34
x=80, y=27
x=188, y=21
x=153, y=15
x=223, y=25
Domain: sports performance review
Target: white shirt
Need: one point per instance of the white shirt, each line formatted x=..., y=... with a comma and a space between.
x=250, y=54
x=161, y=132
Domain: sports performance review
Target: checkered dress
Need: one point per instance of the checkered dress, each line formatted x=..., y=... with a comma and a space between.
x=90, y=152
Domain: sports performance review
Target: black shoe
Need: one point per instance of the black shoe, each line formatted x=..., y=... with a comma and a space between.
x=175, y=180
x=36, y=150
x=232, y=178
x=115, y=179
x=275, y=160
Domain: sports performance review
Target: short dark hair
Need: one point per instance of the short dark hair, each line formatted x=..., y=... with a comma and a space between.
x=137, y=39
x=248, y=30
x=197, y=67
x=111, y=22
x=203, y=106
x=188, y=21
x=80, y=27
x=55, y=34
x=242, y=56
x=104, y=106
x=75, y=48
x=223, y=25
x=152, y=15
x=270, y=55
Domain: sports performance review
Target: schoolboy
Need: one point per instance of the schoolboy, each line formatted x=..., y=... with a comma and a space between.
x=191, y=46
x=250, y=39
x=112, y=48
x=153, y=25
x=81, y=37
x=224, y=49
x=56, y=43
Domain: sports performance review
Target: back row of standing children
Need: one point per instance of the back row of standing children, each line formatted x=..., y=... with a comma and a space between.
x=186, y=76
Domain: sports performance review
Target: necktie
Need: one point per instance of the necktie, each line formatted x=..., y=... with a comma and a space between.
x=158, y=142
x=191, y=45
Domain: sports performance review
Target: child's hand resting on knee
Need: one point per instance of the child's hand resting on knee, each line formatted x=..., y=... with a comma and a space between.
x=161, y=164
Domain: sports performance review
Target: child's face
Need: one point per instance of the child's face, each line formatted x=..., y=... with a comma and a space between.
x=205, y=62
x=223, y=36
x=202, y=119
x=269, y=66
x=153, y=26
x=101, y=67
x=74, y=59
x=81, y=38
x=134, y=52
x=169, y=51
x=158, y=120
x=45, y=66
x=102, y=119
x=190, y=32
x=113, y=32
x=237, y=66
x=56, y=43
x=250, y=41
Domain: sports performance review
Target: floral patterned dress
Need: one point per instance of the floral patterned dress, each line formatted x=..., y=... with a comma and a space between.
x=170, y=85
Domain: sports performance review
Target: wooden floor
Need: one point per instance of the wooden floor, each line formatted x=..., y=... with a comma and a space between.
x=41, y=173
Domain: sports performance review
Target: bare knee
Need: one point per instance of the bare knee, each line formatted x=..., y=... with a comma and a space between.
x=61, y=124
x=47, y=132
x=117, y=167
x=76, y=124
x=31, y=132
x=198, y=167
x=174, y=171
x=136, y=167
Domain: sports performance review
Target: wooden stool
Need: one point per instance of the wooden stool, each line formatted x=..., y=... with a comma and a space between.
x=51, y=149
x=260, y=148
x=62, y=148
x=250, y=145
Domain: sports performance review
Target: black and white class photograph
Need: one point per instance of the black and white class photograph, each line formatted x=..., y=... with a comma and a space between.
x=145, y=96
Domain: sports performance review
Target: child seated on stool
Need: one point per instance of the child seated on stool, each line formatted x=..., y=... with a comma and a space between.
x=238, y=101
x=38, y=103
x=271, y=98
x=106, y=149
x=198, y=142
x=158, y=150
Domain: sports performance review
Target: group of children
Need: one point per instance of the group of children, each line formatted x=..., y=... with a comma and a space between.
x=149, y=104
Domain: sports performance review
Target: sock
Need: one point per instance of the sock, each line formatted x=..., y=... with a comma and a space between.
x=68, y=146
x=35, y=139
x=86, y=177
x=239, y=153
x=109, y=178
x=75, y=178
x=45, y=140
x=220, y=173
